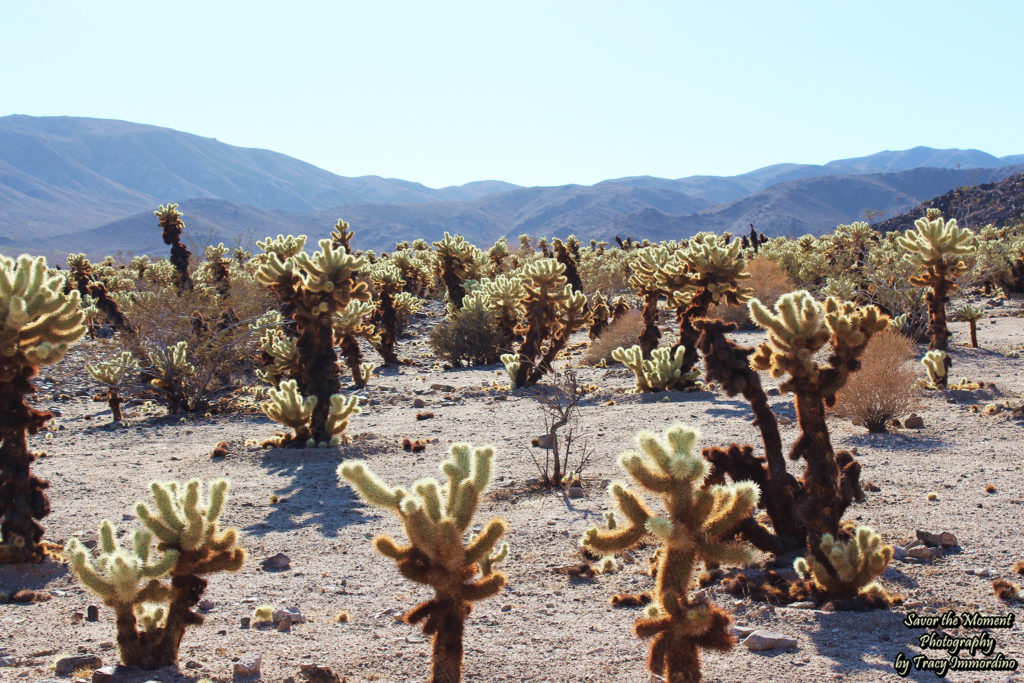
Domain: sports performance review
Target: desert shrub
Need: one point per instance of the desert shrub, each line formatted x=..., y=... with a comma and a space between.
x=885, y=386
x=622, y=332
x=768, y=280
x=470, y=337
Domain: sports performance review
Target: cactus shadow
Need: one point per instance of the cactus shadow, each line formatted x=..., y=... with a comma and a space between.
x=895, y=441
x=30, y=576
x=308, y=490
x=732, y=408
x=839, y=637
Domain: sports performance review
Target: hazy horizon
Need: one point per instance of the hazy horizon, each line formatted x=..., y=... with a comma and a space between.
x=573, y=93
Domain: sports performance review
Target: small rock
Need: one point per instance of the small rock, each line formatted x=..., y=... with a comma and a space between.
x=506, y=608
x=914, y=421
x=248, y=665
x=785, y=420
x=923, y=553
x=67, y=665
x=205, y=605
x=92, y=613
x=291, y=614
x=276, y=562
x=6, y=661
x=871, y=487
x=106, y=674
x=768, y=640
x=315, y=673
x=193, y=664
x=944, y=539
x=285, y=625
x=575, y=492
x=983, y=572
x=899, y=552
x=742, y=631
x=803, y=604
x=442, y=387
x=542, y=441
x=913, y=604
x=246, y=622
x=419, y=403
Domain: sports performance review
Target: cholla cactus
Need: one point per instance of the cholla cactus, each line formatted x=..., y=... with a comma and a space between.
x=700, y=520
x=599, y=314
x=170, y=222
x=504, y=298
x=387, y=283
x=662, y=372
x=435, y=519
x=458, y=261
x=133, y=583
x=289, y=407
x=351, y=323
x=972, y=314
x=936, y=246
x=853, y=566
x=646, y=265
x=82, y=278
x=111, y=373
x=707, y=271
x=171, y=372
x=935, y=363
x=406, y=306
x=497, y=255
x=38, y=323
x=283, y=247
x=567, y=256
x=341, y=235
x=313, y=288
x=553, y=311
x=280, y=356
x=219, y=268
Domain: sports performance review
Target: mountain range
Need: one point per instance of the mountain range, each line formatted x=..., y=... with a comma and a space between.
x=82, y=184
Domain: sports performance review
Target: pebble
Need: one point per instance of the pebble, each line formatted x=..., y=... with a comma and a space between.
x=6, y=661
x=419, y=403
x=315, y=673
x=575, y=492
x=945, y=539
x=92, y=613
x=205, y=605
x=291, y=614
x=923, y=553
x=277, y=562
x=248, y=665
x=914, y=421
x=67, y=665
x=899, y=552
x=768, y=640
x=803, y=604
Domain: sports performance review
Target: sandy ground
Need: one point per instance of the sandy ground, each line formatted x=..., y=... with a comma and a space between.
x=544, y=626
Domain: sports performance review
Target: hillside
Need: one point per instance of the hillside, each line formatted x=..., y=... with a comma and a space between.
x=1000, y=203
x=79, y=184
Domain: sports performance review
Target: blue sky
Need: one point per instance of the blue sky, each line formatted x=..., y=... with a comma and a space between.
x=535, y=93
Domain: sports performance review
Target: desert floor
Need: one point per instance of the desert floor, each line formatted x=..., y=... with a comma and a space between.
x=545, y=626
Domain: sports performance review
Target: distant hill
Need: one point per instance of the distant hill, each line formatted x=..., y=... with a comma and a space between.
x=79, y=184
x=1000, y=204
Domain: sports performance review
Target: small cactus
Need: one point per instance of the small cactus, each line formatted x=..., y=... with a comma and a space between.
x=190, y=544
x=112, y=373
x=435, y=519
x=935, y=363
x=853, y=565
x=972, y=314
x=171, y=372
x=662, y=372
x=287, y=406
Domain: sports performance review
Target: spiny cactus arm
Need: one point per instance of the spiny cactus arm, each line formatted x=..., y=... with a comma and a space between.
x=339, y=417
x=633, y=359
x=645, y=475
x=621, y=538
x=487, y=563
x=971, y=313
x=732, y=504
x=332, y=268
x=371, y=488
x=284, y=247
x=388, y=547
x=112, y=371
x=121, y=578
x=482, y=544
x=489, y=585
x=287, y=405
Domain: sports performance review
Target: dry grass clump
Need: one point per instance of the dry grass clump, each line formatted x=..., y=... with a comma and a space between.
x=620, y=333
x=885, y=386
x=470, y=338
x=768, y=280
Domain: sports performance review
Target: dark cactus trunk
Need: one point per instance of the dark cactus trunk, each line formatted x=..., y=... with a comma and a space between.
x=387, y=324
x=938, y=332
x=318, y=371
x=648, y=339
x=23, y=497
x=353, y=357
x=159, y=647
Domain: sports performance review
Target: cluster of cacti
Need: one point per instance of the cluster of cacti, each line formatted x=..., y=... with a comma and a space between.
x=435, y=519
x=416, y=267
x=853, y=566
x=662, y=372
x=154, y=595
x=38, y=322
x=313, y=289
x=937, y=248
x=171, y=224
x=972, y=314
x=287, y=406
x=698, y=525
x=552, y=312
x=111, y=373
x=351, y=323
x=567, y=254
x=458, y=261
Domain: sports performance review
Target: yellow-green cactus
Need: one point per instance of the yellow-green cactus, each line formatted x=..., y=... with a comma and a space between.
x=190, y=544
x=38, y=323
x=935, y=363
x=698, y=525
x=283, y=247
x=287, y=406
x=341, y=235
x=660, y=373
x=458, y=261
x=171, y=370
x=436, y=518
x=280, y=355
x=937, y=246
x=972, y=314
x=111, y=373
x=856, y=563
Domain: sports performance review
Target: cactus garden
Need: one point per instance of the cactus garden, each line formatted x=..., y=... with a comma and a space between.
x=224, y=465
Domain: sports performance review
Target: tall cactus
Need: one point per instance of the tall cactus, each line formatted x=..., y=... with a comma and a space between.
x=38, y=322
x=435, y=519
x=458, y=261
x=553, y=311
x=699, y=522
x=314, y=288
x=188, y=536
x=171, y=224
x=387, y=283
x=936, y=246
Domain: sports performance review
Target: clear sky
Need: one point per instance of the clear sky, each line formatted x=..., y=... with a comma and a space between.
x=535, y=93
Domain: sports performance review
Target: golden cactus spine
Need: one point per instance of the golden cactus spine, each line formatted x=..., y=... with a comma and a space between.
x=698, y=526
x=435, y=519
x=38, y=323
